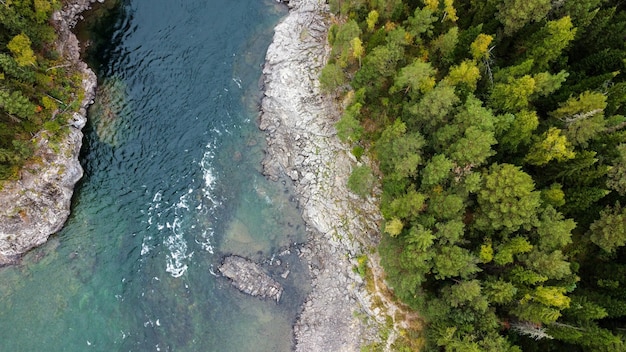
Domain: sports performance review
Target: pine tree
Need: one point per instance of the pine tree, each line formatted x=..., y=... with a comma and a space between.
x=507, y=200
x=515, y=14
x=609, y=231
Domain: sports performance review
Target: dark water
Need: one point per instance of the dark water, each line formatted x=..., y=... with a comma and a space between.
x=172, y=183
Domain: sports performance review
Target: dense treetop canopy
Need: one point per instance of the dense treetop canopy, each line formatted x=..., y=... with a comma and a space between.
x=499, y=133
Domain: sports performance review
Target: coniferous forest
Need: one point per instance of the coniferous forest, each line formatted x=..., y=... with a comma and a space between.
x=499, y=133
x=38, y=90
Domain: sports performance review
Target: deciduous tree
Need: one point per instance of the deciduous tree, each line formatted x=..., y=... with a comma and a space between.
x=551, y=145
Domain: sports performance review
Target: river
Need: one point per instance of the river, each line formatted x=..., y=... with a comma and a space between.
x=172, y=183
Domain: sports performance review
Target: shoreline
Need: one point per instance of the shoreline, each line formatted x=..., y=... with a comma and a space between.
x=41, y=199
x=302, y=146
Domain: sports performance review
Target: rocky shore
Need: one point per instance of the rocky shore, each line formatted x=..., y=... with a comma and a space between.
x=303, y=146
x=38, y=204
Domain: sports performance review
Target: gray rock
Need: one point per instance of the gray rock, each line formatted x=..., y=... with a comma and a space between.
x=248, y=277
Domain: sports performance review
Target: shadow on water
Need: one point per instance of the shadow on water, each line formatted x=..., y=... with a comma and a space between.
x=172, y=183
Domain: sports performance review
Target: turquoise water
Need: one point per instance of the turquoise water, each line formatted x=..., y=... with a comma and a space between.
x=172, y=183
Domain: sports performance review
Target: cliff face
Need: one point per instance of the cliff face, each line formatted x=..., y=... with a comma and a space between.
x=38, y=204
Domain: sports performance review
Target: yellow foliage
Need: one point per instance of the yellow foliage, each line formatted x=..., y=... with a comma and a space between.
x=433, y=5
x=552, y=296
x=357, y=48
x=450, y=10
x=372, y=19
x=427, y=84
x=21, y=50
x=553, y=146
x=486, y=253
x=48, y=104
x=466, y=72
x=480, y=46
x=42, y=9
x=394, y=227
x=408, y=37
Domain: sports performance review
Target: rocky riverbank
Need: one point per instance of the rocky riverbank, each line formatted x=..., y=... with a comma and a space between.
x=303, y=146
x=38, y=204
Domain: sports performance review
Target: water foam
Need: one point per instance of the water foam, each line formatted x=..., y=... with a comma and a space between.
x=204, y=239
x=177, y=257
x=189, y=217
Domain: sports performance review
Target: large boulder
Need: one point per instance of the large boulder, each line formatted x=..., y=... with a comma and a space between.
x=248, y=277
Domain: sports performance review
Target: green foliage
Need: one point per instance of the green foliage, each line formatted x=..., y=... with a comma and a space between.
x=342, y=42
x=445, y=44
x=378, y=66
x=617, y=173
x=515, y=14
x=583, y=117
x=332, y=77
x=554, y=231
x=609, y=231
x=415, y=79
x=433, y=109
x=358, y=151
x=549, y=42
x=454, y=261
x=361, y=181
x=398, y=151
x=407, y=206
x=520, y=132
x=508, y=199
x=500, y=292
x=12, y=69
x=348, y=127
x=514, y=95
x=420, y=25
x=516, y=245
x=473, y=148
x=437, y=170
x=14, y=103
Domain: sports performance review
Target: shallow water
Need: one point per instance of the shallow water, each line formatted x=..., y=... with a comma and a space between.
x=172, y=183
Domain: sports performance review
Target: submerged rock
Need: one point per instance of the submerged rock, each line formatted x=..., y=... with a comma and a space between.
x=248, y=277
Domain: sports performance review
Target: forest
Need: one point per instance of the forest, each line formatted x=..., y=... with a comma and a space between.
x=499, y=136
x=39, y=90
